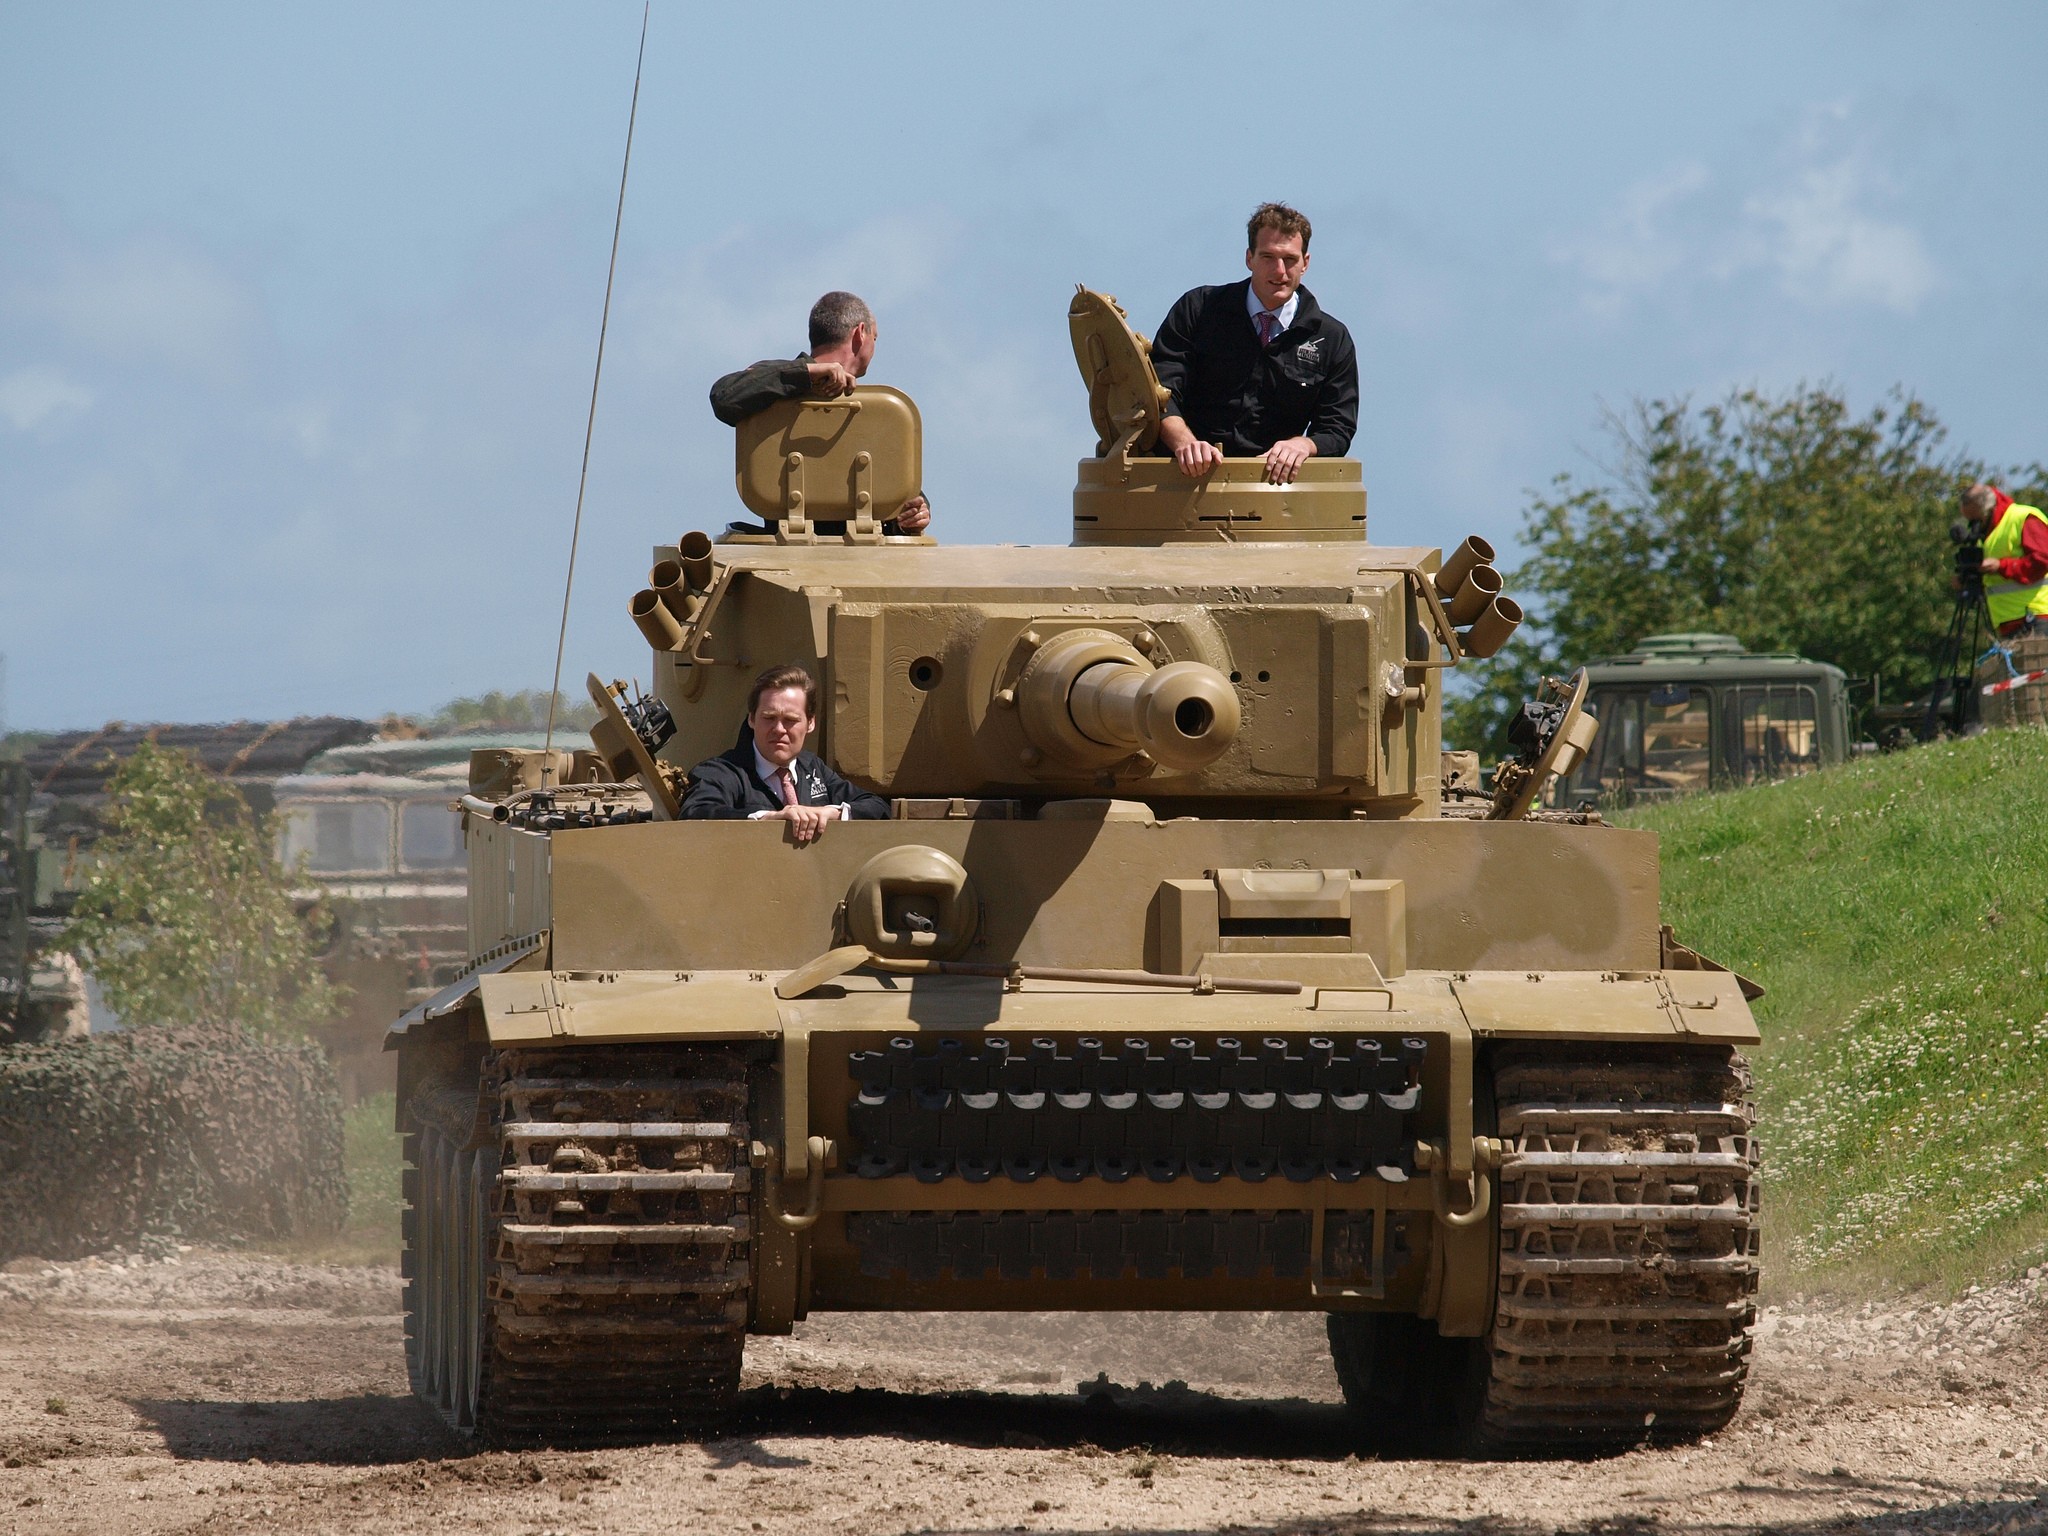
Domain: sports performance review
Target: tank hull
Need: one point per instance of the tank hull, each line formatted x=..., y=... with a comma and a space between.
x=945, y=1142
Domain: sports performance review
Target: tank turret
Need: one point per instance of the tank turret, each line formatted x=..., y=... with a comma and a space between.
x=1199, y=640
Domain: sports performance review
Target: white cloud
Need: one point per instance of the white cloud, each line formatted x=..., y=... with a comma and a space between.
x=1636, y=246
x=1828, y=249
x=35, y=397
x=151, y=299
x=1818, y=225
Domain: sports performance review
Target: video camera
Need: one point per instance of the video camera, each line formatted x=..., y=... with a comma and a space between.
x=1969, y=557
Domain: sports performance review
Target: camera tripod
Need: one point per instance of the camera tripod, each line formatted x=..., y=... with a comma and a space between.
x=1952, y=704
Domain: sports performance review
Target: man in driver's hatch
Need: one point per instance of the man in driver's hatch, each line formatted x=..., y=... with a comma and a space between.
x=1255, y=368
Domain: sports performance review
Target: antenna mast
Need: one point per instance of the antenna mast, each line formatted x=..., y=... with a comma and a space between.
x=590, y=424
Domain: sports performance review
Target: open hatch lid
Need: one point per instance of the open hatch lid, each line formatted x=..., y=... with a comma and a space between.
x=1116, y=364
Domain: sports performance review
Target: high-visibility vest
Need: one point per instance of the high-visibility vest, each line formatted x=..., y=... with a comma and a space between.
x=2011, y=600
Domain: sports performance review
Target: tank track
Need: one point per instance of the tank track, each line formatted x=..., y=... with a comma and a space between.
x=1628, y=1245
x=579, y=1245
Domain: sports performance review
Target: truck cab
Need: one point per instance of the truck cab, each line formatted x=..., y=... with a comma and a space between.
x=1683, y=713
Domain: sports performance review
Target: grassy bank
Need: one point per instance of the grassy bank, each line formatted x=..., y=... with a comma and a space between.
x=1896, y=909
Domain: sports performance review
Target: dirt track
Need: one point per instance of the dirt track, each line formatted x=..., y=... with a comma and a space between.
x=224, y=1393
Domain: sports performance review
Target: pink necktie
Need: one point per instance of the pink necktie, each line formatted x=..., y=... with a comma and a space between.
x=1269, y=327
x=788, y=783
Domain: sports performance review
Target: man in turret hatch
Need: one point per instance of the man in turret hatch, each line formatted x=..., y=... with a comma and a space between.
x=842, y=346
x=768, y=776
x=1256, y=369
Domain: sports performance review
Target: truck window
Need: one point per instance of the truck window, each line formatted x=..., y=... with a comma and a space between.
x=1676, y=741
x=429, y=836
x=1616, y=760
x=1776, y=732
x=340, y=837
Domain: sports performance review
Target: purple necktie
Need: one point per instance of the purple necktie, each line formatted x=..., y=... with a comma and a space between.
x=1269, y=327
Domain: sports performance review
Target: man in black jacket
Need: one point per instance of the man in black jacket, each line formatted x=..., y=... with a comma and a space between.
x=842, y=346
x=768, y=776
x=1256, y=369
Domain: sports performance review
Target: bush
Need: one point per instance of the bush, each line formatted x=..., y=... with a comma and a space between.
x=131, y=1140
x=187, y=918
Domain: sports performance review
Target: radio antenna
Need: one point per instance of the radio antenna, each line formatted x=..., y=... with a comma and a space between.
x=590, y=423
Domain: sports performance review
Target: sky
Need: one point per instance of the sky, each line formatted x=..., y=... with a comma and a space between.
x=299, y=304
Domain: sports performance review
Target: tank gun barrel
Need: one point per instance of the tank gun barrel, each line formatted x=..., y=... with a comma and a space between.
x=1088, y=698
x=1183, y=715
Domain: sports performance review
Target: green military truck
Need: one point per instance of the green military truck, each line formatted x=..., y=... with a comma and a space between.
x=1689, y=712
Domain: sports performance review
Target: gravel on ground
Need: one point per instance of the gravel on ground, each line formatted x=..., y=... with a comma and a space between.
x=220, y=1392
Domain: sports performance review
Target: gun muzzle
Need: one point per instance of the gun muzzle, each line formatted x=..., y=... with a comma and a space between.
x=1182, y=715
x=1089, y=699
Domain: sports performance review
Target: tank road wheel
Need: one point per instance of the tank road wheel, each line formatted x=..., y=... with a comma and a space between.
x=1628, y=1243
x=448, y=1189
x=1403, y=1377
x=579, y=1245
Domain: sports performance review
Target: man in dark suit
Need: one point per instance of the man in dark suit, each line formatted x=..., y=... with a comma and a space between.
x=1256, y=369
x=768, y=776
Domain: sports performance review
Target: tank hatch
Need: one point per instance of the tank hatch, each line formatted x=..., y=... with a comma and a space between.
x=1124, y=395
x=854, y=460
x=1130, y=493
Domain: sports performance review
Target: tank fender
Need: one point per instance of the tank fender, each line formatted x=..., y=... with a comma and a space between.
x=1608, y=1005
x=556, y=1007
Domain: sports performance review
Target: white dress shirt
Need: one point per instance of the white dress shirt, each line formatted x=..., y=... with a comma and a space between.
x=1284, y=314
x=772, y=775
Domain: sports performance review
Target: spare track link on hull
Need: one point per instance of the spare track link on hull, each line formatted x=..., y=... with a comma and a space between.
x=578, y=1246
x=1628, y=1245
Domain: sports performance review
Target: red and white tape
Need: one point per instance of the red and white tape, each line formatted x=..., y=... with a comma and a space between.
x=2013, y=682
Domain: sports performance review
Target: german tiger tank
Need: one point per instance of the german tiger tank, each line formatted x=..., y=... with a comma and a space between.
x=1187, y=972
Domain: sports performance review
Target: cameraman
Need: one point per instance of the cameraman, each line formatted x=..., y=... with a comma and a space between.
x=2015, y=553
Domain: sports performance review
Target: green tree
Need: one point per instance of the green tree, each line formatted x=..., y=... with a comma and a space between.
x=525, y=710
x=1789, y=522
x=187, y=918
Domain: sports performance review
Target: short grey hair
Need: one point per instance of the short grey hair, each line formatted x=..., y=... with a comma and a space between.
x=834, y=316
x=1979, y=499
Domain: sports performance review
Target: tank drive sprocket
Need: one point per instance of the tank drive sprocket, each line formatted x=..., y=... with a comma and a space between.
x=578, y=1244
x=1628, y=1262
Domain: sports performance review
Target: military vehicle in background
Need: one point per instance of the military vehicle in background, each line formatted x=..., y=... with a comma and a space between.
x=1689, y=712
x=374, y=823
x=1177, y=980
x=51, y=800
x=42, y=991
x=370, y=813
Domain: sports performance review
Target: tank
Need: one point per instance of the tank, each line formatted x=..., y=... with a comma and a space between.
x=1689, y=712
x=1177, y=978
